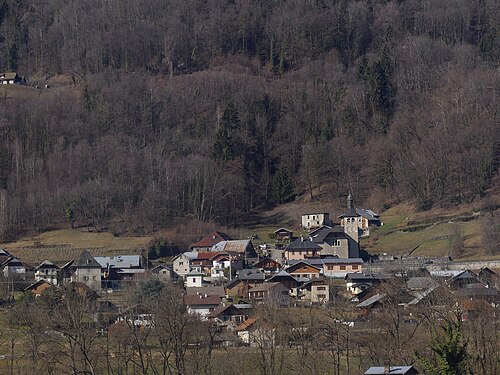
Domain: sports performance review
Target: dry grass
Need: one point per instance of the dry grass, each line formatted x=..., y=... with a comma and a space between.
x=63, y=245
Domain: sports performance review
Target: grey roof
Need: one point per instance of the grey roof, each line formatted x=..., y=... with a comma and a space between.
x=282, y=273
x=369, y=214
x=233, y=246
x=362, y=277
x=208, y=290
x=46, y=264
x=424, y=282
x=251, y=274
x=86, y=260
x=302, y=244
x=5, y=252
x=194, y=272
x=120, y=261
x=319, y=237
x=188, y=254
x=394, y=370
x=350, y=212
x=372, y=300
x=12, y=262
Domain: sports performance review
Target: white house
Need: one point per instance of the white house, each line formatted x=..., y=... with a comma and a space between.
x=182, y=262
x=47, y=271
x=315, y=220
x=194, y=279
x=201, y=305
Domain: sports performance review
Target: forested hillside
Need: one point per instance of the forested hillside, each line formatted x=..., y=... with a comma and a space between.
x=209, y=109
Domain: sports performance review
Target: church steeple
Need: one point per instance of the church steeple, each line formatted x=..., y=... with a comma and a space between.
x=349, y=201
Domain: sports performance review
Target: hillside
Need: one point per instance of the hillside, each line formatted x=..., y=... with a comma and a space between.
x=211, y=112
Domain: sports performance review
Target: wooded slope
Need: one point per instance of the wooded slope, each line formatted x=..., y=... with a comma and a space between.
x=211, y=109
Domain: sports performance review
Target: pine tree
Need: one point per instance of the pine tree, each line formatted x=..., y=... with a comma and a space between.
x=450, y=351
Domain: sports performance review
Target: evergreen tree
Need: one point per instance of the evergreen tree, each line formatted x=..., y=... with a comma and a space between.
x=450, y=351
x=227, y=146
x=282, y=187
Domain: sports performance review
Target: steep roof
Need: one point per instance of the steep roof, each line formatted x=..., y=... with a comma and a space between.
x=250, y=274
x=47, y=264
x=369, y=214
x=320, y=236
x=246, y=324
x=12, y=262
x=350, y=212
x=233, y=246
x=8, y=75
x=264, y=287
x=86, y=260
x=303, y=244
x=372, y=300
x=282, y=230
x=212, y=239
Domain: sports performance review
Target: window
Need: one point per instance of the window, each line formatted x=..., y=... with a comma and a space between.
x=181, y=263
x=355, y=267
x=321, y=296
x=321, y=287
x=194, y=279
x=94, y=278
x=85, y=278
x=336, y=243
x=342, y=268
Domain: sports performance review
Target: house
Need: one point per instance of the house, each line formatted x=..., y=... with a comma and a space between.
x=340, y=267
x=270, y=292
x=163, y=273
x=391, y=370
x=38, y=287
x=315, y=220
x=304, y=269
x=283, y=234
x=4, y=255
x=122, y=268
x=463, y=279
x=244, y=281
x=358, y=282
x=301, y=249
x=488, y=276
x=356, y=221
x=255, y=333
x=182, y=262
x=220, y=262
x=230, y=316
x=335, y=241
x=286, y=279
x=240, y=249
x=47, y=271
x=87, y=271
x=206, y=243
x=13, y=267
x=201, y=305
x=10, y=78
x=312, y=292
x=194, y=279
x=268, y=265
x=332, y=266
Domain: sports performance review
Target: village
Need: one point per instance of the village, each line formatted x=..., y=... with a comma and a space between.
x=225, y=280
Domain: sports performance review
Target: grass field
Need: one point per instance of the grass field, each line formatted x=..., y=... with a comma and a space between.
x=65, y=244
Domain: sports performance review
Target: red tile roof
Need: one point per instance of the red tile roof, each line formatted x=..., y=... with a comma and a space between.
x=212, y=239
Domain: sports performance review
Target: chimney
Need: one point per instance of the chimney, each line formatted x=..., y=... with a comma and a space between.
x=387, y=369
x=302, y=238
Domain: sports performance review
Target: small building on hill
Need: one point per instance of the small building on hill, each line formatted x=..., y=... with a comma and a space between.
x=315, y=220
x=283, y=234
x=10, y=78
